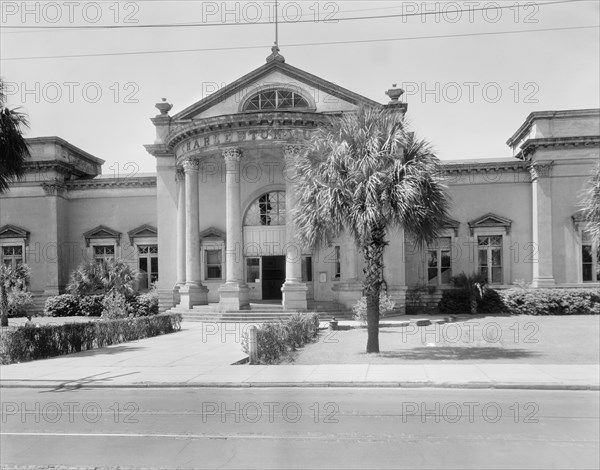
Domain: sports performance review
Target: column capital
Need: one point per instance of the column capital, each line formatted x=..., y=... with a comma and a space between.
x=179, y=174
x=55, y=188
x=191, y=164
x=232, y=154
x=291, y=152
x=540, y=169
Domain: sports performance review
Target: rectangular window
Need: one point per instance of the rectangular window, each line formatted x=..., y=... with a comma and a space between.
x=338, y=265
x=12, y=255
x=490, y=258
x=439, y=262
x=102, y=252
x=307, y=269
x=148, y=265
x=213, y=264
x=590, y=260
x=252, y=269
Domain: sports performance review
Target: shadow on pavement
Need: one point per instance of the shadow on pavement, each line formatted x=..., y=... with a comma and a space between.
x=457, y=353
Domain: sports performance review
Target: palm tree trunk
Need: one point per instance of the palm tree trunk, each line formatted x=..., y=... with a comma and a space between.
x=373, y=254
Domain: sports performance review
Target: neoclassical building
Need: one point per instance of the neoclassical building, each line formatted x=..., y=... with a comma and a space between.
x=212, y=226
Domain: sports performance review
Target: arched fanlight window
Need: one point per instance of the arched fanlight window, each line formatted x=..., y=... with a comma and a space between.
x=276, y=99
x=268, y=209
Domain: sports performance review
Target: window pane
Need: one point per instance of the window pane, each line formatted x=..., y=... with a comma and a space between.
x=213, y=272
x=299, y=101
x=285, y=99
x=307, y=269
x=446, y=259
x=446, y=275
x=483, y=258
x=7, y=250
x=496, y=240
x=483, y=241
x=154, y=265
x=432, y=275
x=496, y=257
x=213, y=256
x=496, y=275
x=484, y=272
x=586, y=253
x=252, y=269
x=143, y=265
x=432, y=261
x=267, y=100
x=587, y=272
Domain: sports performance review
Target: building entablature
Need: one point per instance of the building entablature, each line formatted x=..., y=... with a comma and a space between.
x=530, y=146
x=211, y=135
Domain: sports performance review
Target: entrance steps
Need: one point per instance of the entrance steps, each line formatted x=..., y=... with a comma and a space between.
x=259, y=313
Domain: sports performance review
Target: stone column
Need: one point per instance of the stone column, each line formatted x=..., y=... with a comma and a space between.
x=349, y=288
x=192, y=292
x=180, y=179
x=394, y=269
x=234, y=294
x=294, y=290
x=541, y=187
x=54, y=236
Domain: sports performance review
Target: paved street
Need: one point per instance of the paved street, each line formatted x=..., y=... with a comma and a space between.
x=300, y=428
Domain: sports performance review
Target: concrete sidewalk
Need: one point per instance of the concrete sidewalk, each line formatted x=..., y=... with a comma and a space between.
x=200, y=356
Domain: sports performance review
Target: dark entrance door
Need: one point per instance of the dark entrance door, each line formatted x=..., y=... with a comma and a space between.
x=273, y=276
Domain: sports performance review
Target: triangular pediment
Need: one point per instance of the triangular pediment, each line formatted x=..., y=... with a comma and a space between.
x=490, y=220
x=452, y=224
x=212, y=233
x=145, y=230
x=273, y=72
x=101, y=231
x=12, y=231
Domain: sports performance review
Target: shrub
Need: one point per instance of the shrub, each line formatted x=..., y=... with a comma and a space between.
x=65, y=305
x=107, y=276
x=114, y=305
x=459, y=301
x=91, y=305
x=552, y=301
x=12, y=281
x=278, y=338
x=30, y=342
x=18, y=303
x=143, y=305
x=386, y=305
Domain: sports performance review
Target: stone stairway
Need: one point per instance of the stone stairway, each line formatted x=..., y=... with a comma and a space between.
x=260, y=312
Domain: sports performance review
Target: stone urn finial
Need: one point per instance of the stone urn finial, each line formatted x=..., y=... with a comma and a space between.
x=394, y=93
x=163, y=107
x=275, y=55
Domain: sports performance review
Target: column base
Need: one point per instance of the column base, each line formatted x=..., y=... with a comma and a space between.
x=190, y=295
x=398, y=295
x=348, y=292
x=234, y=296
x=294, y=296
x=543, y=282
x=176, y=294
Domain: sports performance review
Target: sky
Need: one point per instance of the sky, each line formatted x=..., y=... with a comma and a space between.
x=69, y=64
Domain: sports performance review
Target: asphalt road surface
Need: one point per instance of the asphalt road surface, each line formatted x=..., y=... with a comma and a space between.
x=284, y=428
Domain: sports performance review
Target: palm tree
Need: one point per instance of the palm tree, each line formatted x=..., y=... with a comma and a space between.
x=11, y=278
x=107, y=276
x=473, y=285
x=591, y=206
x=13, y=147
x=364, y=174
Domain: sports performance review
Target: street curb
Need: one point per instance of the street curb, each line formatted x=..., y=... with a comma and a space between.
x=469, y=386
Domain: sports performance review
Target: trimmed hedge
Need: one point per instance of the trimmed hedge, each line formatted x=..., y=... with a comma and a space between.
x=276, y=339
x=68, y=305
x=518, y=301
x=29, y=342
x=552, y=301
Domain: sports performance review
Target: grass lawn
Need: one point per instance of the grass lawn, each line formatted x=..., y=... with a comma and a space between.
x=474, y=339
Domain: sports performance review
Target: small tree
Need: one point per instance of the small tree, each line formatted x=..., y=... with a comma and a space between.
x=366, y=175
x=11, y=279
x=106, y=277
x=591, y=206
x=473, y=285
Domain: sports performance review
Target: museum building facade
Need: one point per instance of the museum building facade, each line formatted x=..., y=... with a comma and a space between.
x=213, y=225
